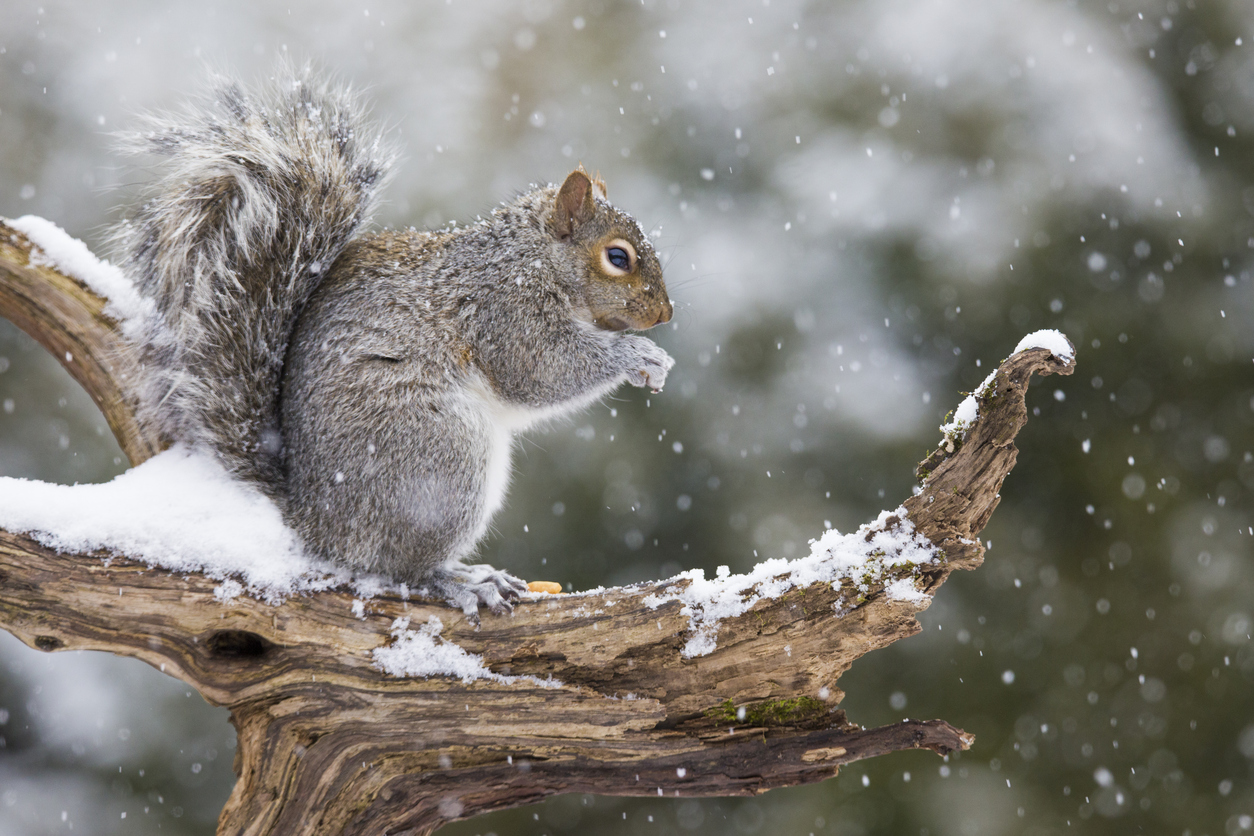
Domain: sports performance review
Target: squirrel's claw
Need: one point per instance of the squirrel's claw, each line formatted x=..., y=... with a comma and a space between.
x=475, y=585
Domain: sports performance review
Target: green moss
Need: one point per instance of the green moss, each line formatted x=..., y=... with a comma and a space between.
x=799, y=711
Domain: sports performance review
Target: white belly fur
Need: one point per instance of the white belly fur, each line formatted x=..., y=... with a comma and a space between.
x=500, y=453
x=506, y=420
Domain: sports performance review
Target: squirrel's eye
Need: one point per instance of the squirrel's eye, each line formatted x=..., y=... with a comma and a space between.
x=617, y=257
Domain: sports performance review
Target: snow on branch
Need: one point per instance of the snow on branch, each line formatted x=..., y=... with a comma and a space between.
x=676, y=687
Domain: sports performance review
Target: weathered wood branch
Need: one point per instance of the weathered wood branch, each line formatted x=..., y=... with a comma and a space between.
x=330, y=744
x=68, y=319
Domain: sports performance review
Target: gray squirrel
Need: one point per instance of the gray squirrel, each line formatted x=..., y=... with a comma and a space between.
x=371, y=383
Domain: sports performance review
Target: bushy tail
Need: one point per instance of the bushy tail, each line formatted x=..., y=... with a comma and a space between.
x=260, y=193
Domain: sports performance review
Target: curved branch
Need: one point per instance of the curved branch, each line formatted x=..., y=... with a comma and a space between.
x=68, y=319
x=329, y=743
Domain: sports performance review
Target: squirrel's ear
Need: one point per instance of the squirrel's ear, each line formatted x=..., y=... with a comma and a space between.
x=575, y=204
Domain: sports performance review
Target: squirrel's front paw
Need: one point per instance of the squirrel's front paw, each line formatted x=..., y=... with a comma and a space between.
x=651, y=364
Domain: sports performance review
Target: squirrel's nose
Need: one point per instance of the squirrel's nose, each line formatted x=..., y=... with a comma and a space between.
x=665, y=315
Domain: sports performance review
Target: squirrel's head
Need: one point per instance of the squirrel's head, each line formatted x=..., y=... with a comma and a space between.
x=621, y=277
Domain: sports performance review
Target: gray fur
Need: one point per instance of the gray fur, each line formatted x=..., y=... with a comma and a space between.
x=372, y=384
x=260, y=194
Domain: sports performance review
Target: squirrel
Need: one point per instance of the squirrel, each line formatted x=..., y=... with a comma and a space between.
x=371, y=383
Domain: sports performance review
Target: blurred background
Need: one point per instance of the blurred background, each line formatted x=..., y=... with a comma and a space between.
x=861, y=207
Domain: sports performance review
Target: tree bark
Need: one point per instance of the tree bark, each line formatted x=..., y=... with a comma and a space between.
x=68, y=319
x=329, y=743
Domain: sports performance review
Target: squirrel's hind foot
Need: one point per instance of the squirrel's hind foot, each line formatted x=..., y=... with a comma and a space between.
x=475, y=585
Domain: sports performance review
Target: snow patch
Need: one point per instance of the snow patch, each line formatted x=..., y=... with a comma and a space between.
x=422, y=652
x=905, y=590
x=1055, y=341
x=874, y=551
x=181, y=511
x=56, y=248
x=228, y=590
x=966, y=413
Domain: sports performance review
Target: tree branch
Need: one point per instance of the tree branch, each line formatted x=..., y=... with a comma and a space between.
x=68, y=319
x=329, y=743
